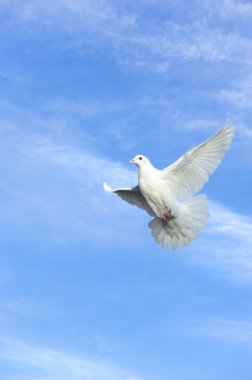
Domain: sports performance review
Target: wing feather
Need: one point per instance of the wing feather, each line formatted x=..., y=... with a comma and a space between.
x=133, y=196
x=191, y=171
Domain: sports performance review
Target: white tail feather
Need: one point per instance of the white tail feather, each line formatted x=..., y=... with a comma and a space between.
x=183, y=229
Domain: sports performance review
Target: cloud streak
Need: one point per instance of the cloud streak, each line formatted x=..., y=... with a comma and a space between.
x=38, y=362
x=236, y=331
x=226, y=245
x=58, y=185
x=148, y=42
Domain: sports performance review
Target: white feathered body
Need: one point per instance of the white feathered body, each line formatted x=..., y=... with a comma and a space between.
x=156, y=191
x=187, y=217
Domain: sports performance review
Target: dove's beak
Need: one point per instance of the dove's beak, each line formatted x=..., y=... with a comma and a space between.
x=132, y=161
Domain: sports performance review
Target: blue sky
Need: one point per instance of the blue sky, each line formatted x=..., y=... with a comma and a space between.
x=85, y=291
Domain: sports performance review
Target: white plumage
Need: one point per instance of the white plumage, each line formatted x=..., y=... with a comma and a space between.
x=167, y=194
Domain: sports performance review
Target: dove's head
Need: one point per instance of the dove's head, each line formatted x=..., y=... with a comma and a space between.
x=140, y=160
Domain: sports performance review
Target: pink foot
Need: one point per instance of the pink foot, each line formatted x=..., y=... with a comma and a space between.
x=166, y=215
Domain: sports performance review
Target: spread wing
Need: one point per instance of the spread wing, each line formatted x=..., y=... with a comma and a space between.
x=133, y=196
x=191, y=171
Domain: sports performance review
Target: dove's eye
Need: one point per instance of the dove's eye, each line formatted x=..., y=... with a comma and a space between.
x=140, y=158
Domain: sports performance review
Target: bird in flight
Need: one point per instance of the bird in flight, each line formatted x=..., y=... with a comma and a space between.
x=167, y=195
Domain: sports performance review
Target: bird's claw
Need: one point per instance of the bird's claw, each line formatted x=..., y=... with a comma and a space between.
x=166, y=215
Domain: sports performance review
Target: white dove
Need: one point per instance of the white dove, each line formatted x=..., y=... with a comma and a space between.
x=167, y=194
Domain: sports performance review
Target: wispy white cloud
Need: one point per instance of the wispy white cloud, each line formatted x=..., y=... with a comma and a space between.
x=4, y=276
x=24, y=307
x=14, y=75
x=226, y=245
x=236, y=331
x=202, y=124
x=122, y=115
x=58, y=183
x=236, y=96
x=143, y=42
x=36, y=362
x=239, y=94
x=86, y=108
x=234, y=8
